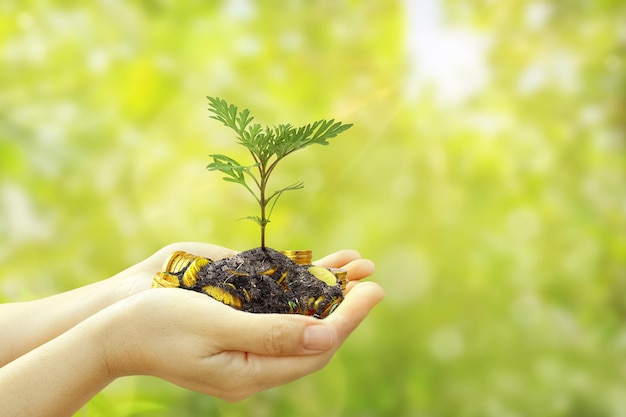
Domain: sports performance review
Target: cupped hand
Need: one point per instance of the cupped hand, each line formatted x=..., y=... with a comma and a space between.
x=200, y=344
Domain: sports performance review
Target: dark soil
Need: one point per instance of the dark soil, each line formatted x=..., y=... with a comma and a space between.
x=263, y=280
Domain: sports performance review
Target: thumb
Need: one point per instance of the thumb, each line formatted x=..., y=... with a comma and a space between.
x=355, y=307
x=275, y=334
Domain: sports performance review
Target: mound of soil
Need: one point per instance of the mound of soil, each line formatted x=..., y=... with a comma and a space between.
x=263, y=280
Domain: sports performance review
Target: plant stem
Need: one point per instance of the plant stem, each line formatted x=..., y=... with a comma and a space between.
x=262, y=201
x=263, y=218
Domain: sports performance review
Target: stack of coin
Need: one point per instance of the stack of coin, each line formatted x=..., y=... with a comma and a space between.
x=178, y=261
x=301, y=257
x=342, y=277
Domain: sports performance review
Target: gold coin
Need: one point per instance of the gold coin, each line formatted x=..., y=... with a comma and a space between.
x=324, y=275
x=177, y=261
x=223, y=296
x=190, y=277
x=165, y=280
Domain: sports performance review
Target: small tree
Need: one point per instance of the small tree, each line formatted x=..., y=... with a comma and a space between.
x=268, y=146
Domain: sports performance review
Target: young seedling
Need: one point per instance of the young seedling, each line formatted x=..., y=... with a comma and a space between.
x=268, y=146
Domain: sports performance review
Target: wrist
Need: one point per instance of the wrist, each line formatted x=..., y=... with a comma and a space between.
x=112, y=324
x=124, y=325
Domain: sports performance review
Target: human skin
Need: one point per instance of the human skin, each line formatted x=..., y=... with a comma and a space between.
x=59, y=351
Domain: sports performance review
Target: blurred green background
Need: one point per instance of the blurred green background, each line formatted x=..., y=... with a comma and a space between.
x=485, y=175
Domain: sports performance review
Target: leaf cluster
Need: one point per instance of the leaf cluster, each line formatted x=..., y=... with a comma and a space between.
x=267, y=146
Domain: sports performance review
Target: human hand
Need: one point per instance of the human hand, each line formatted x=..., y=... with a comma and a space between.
x=200, y=344
x=113, y=328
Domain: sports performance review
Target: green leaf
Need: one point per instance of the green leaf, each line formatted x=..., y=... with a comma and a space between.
x=277, y=194
x=295, y=186
x=230, y=115
x=233, y=169
x=255, y=219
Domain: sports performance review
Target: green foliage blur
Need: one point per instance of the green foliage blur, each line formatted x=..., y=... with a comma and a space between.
x=485, y=175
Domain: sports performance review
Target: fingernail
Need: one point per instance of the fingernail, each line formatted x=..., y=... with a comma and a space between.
x=317, y=338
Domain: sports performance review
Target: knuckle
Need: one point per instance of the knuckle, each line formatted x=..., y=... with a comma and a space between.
x=275, y=340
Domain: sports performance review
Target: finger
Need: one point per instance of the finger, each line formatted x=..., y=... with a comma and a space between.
x=273, y=334
x=338, y=259
x=351, y=260
x=359, y=269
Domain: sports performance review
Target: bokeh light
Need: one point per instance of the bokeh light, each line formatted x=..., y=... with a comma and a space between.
x=485, y=175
